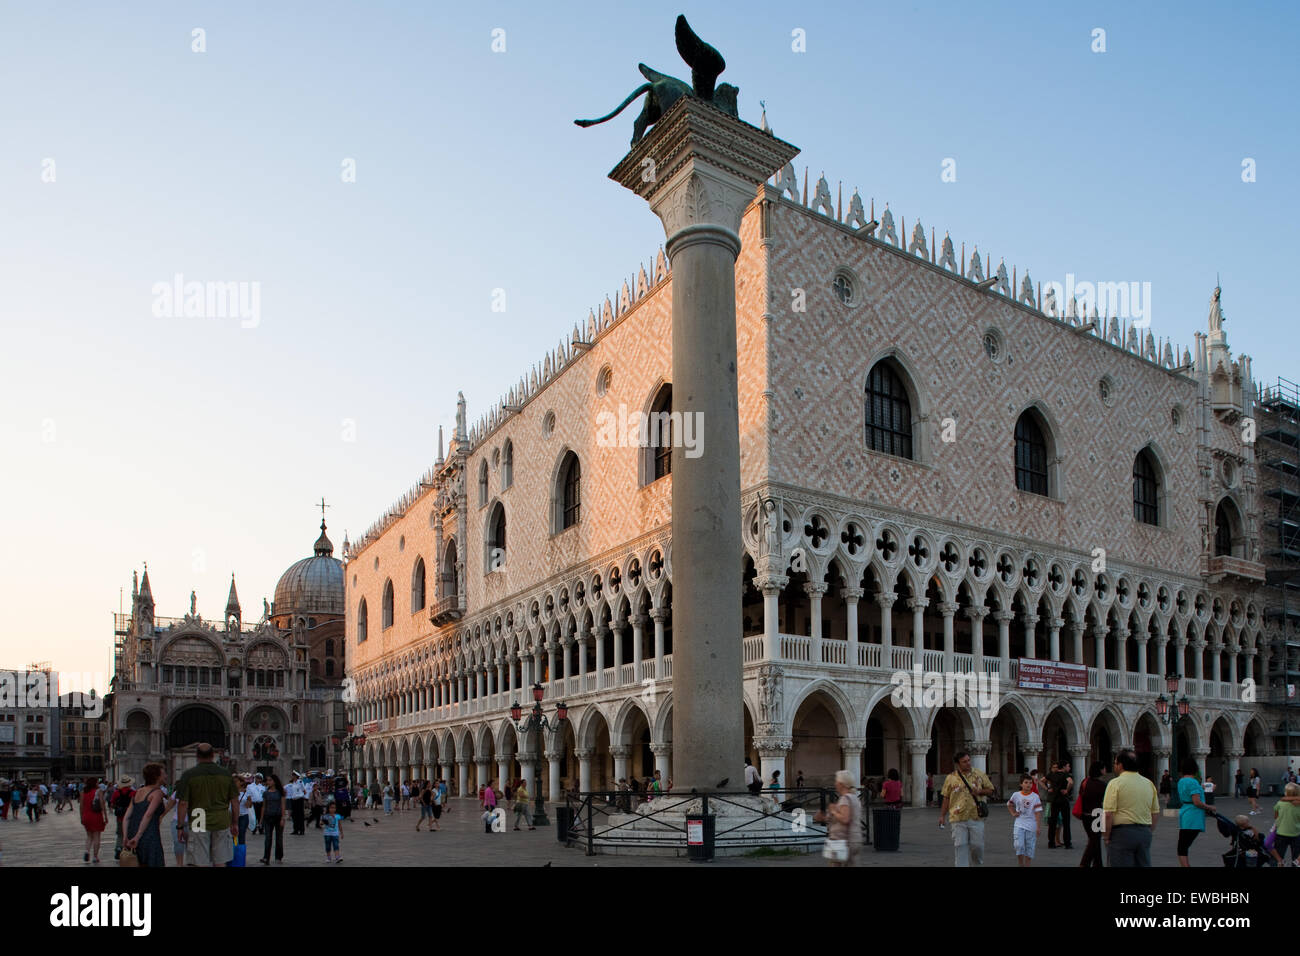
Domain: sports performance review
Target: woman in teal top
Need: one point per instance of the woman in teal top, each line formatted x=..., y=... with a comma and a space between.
x=1191, y=815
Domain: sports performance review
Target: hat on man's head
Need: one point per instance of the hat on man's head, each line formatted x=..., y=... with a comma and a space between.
x=125, y=781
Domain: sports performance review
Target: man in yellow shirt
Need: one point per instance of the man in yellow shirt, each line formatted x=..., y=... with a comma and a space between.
x=1132, y=808
x=963, y=792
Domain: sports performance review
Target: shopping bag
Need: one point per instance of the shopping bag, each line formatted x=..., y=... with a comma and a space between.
x=241, y=855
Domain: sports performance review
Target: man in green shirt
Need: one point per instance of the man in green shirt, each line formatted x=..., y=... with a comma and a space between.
x=1132, y=809
x=208, y=810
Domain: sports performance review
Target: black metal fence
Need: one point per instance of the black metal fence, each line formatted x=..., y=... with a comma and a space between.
x=613, y=819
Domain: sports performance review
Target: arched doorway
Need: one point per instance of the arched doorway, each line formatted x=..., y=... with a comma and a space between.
x=816, y=752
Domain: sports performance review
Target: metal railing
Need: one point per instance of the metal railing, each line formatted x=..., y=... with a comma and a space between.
x=613, y=819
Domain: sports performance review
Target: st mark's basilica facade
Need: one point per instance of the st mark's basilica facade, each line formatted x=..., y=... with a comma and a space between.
x=941, y=473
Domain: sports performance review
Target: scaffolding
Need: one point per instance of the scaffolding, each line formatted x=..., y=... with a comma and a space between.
x=1278, y=455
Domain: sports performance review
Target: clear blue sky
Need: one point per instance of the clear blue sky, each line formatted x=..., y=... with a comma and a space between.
x=199, y=446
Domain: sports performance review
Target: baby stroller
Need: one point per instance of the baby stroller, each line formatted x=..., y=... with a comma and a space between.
x=1245, y=850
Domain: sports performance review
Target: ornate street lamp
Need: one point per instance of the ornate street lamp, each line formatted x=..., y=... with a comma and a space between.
x=537, y=721
x=1170, y=711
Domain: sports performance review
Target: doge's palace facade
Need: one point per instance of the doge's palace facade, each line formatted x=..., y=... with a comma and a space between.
x=941, y=471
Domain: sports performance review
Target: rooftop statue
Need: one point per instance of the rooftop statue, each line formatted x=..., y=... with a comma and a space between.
x=664, y=91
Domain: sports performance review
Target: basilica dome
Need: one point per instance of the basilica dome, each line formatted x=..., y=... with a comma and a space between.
x=313, y=585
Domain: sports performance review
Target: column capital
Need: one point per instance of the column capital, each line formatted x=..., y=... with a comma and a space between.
x=773, y=746
x=638, y=620
x=601, y=631
x=583, y=754
x=977, y=612
x=918, y=604
x=1100, y=630
x=1080, y=755
x=462, y=761
x=1141, y=637
x=851, y=747
x=814, y=588
x=1004, y=615
x=658, y=613
x=661, y=750
x=1234, y=754
x=918, y=746
x=979, y=748
x=1056, y=623
x=772, y=585
x=553, y=755
x=886, y=599
x=851, y=594
x=620, y=751
x=947, y=608
x=1161, y=752
x=1201, y=752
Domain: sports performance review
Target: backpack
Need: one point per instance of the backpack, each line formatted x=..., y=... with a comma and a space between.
x=122, y=802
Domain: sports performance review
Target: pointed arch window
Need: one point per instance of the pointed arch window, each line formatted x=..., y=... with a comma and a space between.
x=569, y=491
x=659, y=434
x=417, y=586
x=363, y=622
x=888, y=412
x=1031, y=454
x=386, y=611
x=508, y=465
x=496, y=538
x=1146, y=489
x=1224, y=528
x=482, y=483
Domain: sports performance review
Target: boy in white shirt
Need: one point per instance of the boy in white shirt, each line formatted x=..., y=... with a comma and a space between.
x=1026, y=808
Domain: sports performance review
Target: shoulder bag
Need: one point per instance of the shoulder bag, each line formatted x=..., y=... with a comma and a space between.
x=837, y=851
x=980, y=807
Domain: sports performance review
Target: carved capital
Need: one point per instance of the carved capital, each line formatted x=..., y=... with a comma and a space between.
x=886, y=599
x=977, y=612
x=851, y=594
x=918, y=604
x=947, y=608
x=661, y=750
x=773, y=745
x=918, y=746
x=814, y=589
x=979, y=748
x=619, y=752
x=583, y=754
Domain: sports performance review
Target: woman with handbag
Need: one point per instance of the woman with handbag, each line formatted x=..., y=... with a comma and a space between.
x=1091, y=795
x=844, y=823
x=94, y=817
x=142, y=835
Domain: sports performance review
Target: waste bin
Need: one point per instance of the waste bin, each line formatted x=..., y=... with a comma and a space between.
x=699, y=837
x=563, y=823
x=888, y=825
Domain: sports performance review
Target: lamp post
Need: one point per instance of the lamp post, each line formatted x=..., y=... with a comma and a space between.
x=538, y=722
x=1171, y=715
x=350, y=744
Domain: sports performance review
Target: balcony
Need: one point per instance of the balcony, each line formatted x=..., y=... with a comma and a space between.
x=1224, y=566
x=445, y=610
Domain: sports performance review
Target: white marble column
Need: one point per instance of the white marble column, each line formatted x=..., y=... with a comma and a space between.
x=772, y=620
x=584, y=770
x=1031, y=643
x=664, y=761
x=620, y=754
x=462, y=776
x=815, y=590
x=886, y=601
x=1054, y=638
x=1004, y=619
x=601, y=633
x=918, y=606
x=918, y=748
x=977, y=614
x=1099, y=634
x=658, y=615
x=851, y=597
x=638, y=635
x=947, y=609
x=554, y=793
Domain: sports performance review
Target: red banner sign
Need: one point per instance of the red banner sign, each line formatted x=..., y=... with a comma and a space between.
x=1052, y=675
x=370, y=727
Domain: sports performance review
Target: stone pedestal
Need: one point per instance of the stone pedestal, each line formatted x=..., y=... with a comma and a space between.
x=699, y=168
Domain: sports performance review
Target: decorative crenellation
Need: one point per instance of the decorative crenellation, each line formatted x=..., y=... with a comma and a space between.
x=1020, y=289
x=542, y=373
x=585, y=334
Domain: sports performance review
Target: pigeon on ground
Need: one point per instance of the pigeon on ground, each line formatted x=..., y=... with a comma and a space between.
x=724, y=782
x=367, y=824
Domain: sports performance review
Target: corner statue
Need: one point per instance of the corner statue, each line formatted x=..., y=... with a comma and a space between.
x=663, y=91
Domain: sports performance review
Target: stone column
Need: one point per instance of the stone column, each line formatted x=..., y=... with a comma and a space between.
x=1004, y=619
x=1032, y=749
x=1079, y=766
x=1031, y=642
x=601, y=633
x=620, y=755
x=1142, y=639
x=617, y=630
x=772, y=752
x=918, y=606
x=1160, y=666
x=1198, y=660
x=1099, y=634
x=1121, y=652
x=1232, y=669
x=1216, y=665
x=503, y=772
x=581, y=641
x=526, y=770
x=584, y=770
x=462, y=776
x=664, y=763
x=1054, y=637
x=851, y=597
x=977, y=615
x=886, y=601
x=918, y=748
x=947, y=609
x=704, y=169
x=815, y=590
x=638, y=635
x=657, y=615
x=553, y=791
x=1179, y=664
x=1228, y=786
x=1076, y=631
x=851, y=751
x=772, y=619
x=484, y=766
x=1162, y=762
x=979, y=754
x=1200, y=755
